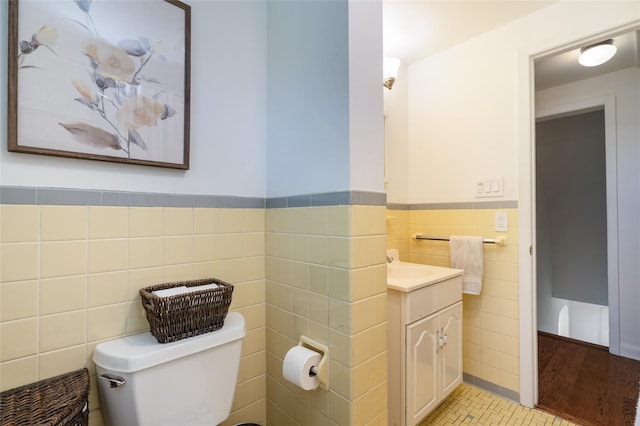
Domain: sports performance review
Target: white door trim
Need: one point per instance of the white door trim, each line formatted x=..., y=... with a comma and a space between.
x=526, y=223
x=526, y=218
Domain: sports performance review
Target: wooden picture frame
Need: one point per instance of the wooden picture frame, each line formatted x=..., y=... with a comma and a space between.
x=100, y=80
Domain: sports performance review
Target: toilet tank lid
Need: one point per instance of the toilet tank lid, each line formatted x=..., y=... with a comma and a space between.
x=140, y=351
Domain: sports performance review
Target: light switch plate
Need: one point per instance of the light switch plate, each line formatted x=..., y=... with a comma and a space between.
x=488, y=187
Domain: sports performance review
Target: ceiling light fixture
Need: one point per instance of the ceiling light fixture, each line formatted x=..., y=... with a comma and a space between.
x=390, y=70
x=597, y=54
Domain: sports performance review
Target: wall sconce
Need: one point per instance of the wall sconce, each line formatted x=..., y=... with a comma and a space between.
x=597, y=54
x=390, y=71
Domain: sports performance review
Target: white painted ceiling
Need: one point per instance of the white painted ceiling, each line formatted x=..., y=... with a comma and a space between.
x=415, y=29
x=563, y=68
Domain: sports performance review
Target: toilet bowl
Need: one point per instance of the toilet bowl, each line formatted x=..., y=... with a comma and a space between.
x=187, y=382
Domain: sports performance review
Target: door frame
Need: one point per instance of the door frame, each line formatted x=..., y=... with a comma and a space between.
x=527, y=290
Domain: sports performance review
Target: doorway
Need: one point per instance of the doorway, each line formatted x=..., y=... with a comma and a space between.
x=604, y=241
x=617, y=92
x=575, y=201
x=571, y=226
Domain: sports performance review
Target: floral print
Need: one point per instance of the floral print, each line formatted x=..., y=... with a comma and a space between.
x=110, y=61
x=117, y=88
x=43, y=37
x=139, y=111
x=88, y=98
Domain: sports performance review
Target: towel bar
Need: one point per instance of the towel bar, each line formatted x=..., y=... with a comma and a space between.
x=499, y=241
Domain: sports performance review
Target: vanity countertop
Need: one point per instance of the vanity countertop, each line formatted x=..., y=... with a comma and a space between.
x=407, y=277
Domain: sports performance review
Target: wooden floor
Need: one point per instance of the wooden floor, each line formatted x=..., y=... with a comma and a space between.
x=584, y=383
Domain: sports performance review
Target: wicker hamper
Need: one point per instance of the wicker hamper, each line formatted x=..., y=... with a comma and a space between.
x=185, y=315
x=58, y=401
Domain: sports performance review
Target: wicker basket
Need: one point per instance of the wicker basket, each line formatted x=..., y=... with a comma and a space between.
x=177, y=317
x=58, y=401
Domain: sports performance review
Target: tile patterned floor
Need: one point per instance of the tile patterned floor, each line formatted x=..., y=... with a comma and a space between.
x=469, y=405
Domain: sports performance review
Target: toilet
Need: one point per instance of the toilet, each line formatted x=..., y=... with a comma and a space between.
x=187, y=382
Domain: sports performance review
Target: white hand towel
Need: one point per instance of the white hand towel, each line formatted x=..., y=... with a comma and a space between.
x=173, y=291
x=466, y=253
x=203, y=287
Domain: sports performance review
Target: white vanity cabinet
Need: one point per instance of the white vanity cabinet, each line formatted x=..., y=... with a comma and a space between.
x=425, y=348
x=433, y=360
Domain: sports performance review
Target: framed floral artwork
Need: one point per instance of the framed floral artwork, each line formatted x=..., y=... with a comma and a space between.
x=101, y=80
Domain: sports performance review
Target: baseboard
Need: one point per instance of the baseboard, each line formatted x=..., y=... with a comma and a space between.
x=491, y=387
x=630, y=351
x=574, y=341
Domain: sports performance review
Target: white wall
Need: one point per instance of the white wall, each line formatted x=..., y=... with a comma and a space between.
x=586, y=321
x=228, y=116
x=397, y=138
x=462, y=121
x=366, y=108
x=463, y=103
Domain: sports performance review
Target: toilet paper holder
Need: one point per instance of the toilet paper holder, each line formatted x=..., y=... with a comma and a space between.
x=321, y=371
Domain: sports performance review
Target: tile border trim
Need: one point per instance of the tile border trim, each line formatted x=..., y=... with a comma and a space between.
x=84, y=197
x=491, y=387
x=341, y=198
x=505, y=204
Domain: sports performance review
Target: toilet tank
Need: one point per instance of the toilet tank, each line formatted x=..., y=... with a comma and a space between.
x=187, y=382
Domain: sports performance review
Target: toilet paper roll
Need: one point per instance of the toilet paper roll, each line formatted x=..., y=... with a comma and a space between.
x=297, y=367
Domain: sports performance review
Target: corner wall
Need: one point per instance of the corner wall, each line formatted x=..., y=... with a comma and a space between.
x=326, y=279
x=325, y=269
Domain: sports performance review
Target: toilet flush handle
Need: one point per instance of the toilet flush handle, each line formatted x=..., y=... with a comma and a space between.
x=113, y=381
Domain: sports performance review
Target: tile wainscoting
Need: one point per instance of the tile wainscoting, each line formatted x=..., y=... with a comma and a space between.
x=490, y=321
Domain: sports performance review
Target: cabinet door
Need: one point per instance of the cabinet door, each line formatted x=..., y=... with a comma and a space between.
x=422, y=392
x=451, y=353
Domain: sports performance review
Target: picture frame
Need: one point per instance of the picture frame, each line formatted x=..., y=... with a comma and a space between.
x=100, y=80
